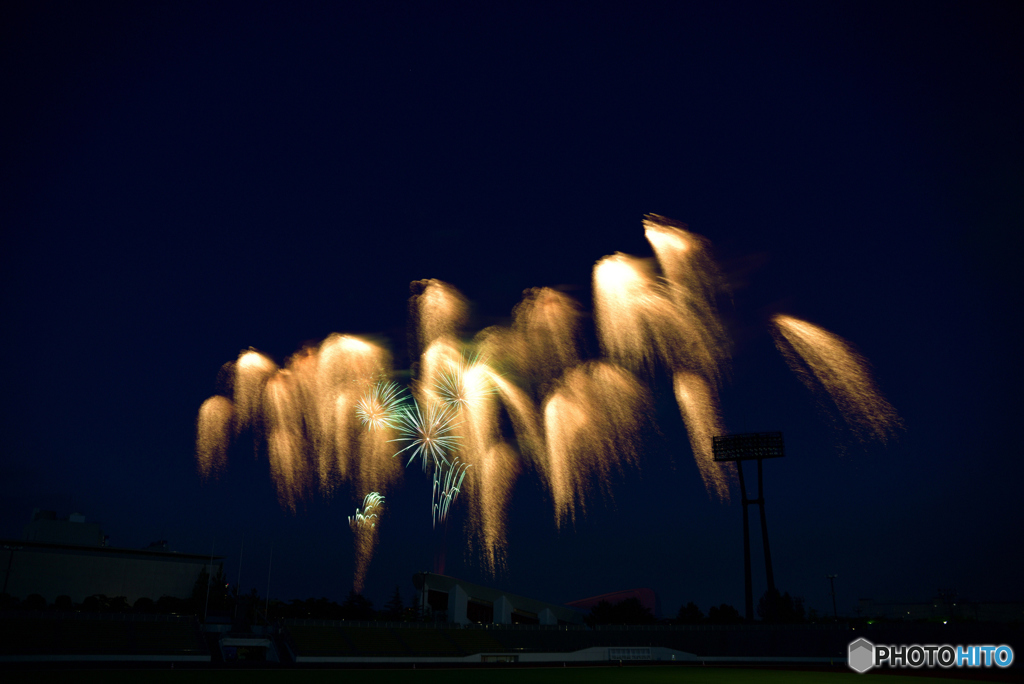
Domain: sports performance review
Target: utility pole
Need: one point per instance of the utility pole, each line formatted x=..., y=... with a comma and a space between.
x=209, y=580
x=10, y=561
x=266, y=611
x=238, y=585
x=832, y=582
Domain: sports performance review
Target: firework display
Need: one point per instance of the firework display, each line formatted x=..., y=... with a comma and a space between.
x=525, y=399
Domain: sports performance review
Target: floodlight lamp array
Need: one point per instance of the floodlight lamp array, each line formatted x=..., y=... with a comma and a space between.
x=750, y=446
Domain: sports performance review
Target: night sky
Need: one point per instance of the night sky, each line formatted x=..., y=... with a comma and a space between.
x=183, y=181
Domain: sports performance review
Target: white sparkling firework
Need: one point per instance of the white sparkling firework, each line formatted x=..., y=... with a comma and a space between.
x=428, y=432
x=381, y=405
x=453, y=388
x=366, y=516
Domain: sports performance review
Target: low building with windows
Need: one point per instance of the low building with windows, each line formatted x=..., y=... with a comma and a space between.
x=448, y=599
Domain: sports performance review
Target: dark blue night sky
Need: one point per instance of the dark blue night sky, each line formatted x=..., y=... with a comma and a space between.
x=182, y=181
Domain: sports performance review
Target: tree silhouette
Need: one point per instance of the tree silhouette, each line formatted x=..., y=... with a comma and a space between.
x=724, y=615
x=690, y=614
x=219, y=600
x=780, y=609
x=34, y=602
x=357, y=607
x=144, y=604
x=627, y=612
x=395, y=608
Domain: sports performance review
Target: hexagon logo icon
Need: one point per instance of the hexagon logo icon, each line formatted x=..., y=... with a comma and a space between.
x=861, y=656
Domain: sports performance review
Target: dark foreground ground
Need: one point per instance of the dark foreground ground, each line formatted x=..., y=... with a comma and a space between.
x=678, y=674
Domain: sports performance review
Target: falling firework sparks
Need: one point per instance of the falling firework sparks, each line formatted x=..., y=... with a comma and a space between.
x=306, y=415
x=494, y=463
x=637, y=323
x=824, y=360
x=524, y=416
x=252, y=370
x=592, y=421
x=380, y=406
x=546, y=324
x=364, y=529
x=490, y=490
x=428, y=432
x=285, y=442
x=213, y=434
x=346, y=369
x=376, y=468
x=700, y=413
x=439, y=309
x=693, y=285
x=441, y=355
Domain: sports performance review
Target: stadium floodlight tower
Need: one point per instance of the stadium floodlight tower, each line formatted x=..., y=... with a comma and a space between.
x=754, y=446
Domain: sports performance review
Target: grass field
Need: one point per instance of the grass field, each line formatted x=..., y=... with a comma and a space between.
x=557, y=675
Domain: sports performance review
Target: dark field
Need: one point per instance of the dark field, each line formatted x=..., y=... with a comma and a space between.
x=556, y=675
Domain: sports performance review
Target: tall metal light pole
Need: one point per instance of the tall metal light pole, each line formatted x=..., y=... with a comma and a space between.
x=10, y=561
x=755, y=446
x=832, y=582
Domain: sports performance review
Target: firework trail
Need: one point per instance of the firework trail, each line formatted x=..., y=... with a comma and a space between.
x=303, y=366
x=377, y=469
x=546, y=326
x=364, y=529
x=447, y=484
x=495, y=465
x=643, y=319
x=347, y=367
x=368, y=515
x=693, y=284
x=438, y=311
x=700, y=413
x=592, y=421
x=252, y=370
x=286, y=444
x=826, y=361
x=524, y=415
x=437, y=361
x=637, y=322
x=447, y=386
x=213, y=435
x=490, y=485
